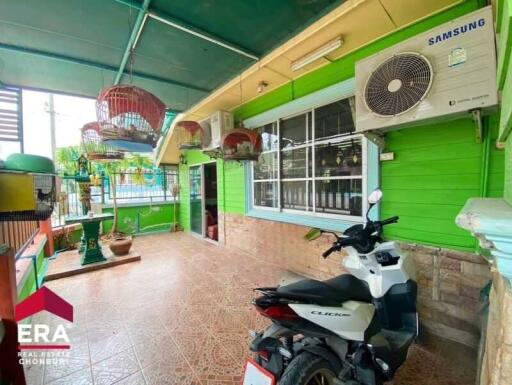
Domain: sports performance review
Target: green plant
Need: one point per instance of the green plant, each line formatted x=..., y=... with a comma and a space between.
x=66, y=158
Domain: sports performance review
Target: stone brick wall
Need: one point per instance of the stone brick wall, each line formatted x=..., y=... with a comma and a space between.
x=449, y=281
x=497, y=358
x=449, y=286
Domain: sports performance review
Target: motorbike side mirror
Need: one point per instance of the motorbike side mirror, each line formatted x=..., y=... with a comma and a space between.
x=312, y=234
x=374, y=198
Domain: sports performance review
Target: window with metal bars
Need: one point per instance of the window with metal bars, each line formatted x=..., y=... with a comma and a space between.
x=312, y=163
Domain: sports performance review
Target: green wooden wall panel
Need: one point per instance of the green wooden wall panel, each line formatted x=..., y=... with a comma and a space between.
x=184, y=216
x=505, y=40
x=435, y=182
x=437, y=168
x=446, y=167
x=506, y=105
x=508, y=171
x=431, y=238
x=157, y=217
x=231, y=182
x=445, y=196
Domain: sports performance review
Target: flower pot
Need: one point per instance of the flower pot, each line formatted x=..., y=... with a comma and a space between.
x=121, y=245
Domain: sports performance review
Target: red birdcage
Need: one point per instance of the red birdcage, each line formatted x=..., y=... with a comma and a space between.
x=189, y=134
x=94, y=147
x=129, y=118
x=241, y=144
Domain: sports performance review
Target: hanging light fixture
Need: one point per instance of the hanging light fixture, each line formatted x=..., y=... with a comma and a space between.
x=129, y=118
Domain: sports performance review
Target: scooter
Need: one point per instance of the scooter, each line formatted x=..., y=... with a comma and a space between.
x=352, y=329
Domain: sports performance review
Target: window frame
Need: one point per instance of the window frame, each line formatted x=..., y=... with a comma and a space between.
x=313, y=178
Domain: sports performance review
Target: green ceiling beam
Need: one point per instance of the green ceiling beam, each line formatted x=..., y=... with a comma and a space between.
x=132, y=41
x=88, y=63
x=190, y=29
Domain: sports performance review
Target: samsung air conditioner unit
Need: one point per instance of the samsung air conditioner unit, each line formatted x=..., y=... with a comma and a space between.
x=447, y=72
x=215, y=127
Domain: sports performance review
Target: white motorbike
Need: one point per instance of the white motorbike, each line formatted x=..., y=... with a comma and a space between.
x=352, y=329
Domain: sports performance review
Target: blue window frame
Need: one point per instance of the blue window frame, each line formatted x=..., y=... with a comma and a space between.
x=314, y=169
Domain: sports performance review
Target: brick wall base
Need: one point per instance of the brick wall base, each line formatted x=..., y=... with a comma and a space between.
x=449, y=282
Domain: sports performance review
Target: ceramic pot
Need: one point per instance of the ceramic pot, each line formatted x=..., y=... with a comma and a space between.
x=121, y=245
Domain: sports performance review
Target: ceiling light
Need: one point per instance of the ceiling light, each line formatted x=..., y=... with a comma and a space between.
x=261, y=86
x=317, y=54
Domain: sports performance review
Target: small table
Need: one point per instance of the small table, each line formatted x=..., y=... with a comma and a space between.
x=90, y=248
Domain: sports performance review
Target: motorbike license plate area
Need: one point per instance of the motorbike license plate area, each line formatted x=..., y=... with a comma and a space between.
x=256, y=375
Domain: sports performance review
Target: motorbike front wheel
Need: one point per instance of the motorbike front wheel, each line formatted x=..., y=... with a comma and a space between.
x=308, y=369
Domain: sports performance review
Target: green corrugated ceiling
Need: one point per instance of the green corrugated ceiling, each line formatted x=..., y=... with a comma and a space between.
x=77, y=46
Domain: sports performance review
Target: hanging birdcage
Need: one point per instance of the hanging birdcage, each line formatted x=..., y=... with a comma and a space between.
x=129, y=118
x=189, y=134
x=94, y=147
x=241, y=144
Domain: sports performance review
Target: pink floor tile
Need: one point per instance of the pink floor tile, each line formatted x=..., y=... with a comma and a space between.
x=181, y=316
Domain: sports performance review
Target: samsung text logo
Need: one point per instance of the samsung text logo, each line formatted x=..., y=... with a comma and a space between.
x=457, y=31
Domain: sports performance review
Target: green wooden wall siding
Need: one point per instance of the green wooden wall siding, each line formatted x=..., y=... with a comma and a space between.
x=231, y=181
x=437, y=167
x=504, y=27
x=508, y=171
x=157, y=217
x=230, y=186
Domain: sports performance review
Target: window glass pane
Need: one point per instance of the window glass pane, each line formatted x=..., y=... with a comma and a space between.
x=341, y=196
x=269, y=137
x=295, y=195
x=265, y=194
x=339, y=159
x=266, y=167
x=334, y=119
x=296, y=163
x=293, y=131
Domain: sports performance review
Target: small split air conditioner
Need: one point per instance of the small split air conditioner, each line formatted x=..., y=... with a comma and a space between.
x=214, y=128
x=444, y=73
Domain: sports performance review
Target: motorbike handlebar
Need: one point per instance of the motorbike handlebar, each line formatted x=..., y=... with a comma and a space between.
x=390, y=220
x=331, y=250
x=353, y=240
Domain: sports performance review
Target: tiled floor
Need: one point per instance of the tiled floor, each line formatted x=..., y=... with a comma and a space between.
x=181, y=316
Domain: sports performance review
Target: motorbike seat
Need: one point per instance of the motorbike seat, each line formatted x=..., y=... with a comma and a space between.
x=332, y=292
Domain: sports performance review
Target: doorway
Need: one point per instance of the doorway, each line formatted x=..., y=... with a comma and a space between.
x=210, y=201
x=196, y=200
x=203, y=200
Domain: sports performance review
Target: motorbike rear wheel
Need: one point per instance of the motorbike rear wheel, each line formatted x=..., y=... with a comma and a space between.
x=308, y=369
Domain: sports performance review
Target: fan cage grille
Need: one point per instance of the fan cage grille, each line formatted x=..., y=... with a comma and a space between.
x=413, y=74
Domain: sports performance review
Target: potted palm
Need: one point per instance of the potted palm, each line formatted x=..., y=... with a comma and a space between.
x=119, y=244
